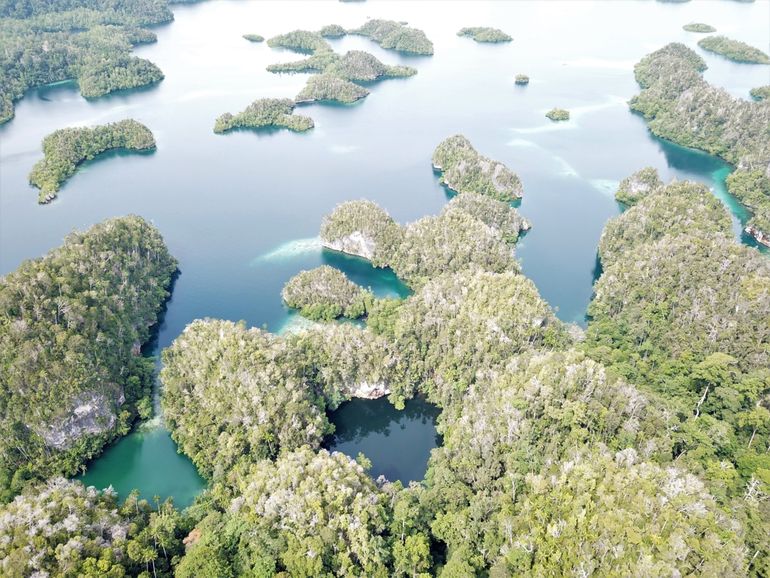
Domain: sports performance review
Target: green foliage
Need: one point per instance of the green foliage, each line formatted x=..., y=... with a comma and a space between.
x=333, y=31
x=615, y=517
x=66, y=148
x=466, y=171
x=760, y=93
x=468, y=233
x=308, y=515
x=71, y=324
x=327, y=87
x=302, y=41
x=680, y=106
x=221, y=402
x=485, y=34
x=753, y=190
x=637, y=186
x=86, y=40
x=357, y=65
x=522, y=79
x=393, y=35
x=254, y=37
x=734, y=50
x=699, y=27
x=325, y=293
x=265, y=112
x=61, y=528
x=680, y=208
x=557, y=114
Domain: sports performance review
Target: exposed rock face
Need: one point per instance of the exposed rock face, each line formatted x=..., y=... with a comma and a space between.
x=91, y=414
x=365, y=390
x=357, y=243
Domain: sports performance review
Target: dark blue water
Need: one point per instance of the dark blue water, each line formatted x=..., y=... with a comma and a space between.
x=241, y=211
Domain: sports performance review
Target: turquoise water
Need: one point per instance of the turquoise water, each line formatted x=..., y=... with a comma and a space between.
x=242, y=211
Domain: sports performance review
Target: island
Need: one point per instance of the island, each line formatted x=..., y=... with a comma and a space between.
x=485, y=34
x=760, y=93
x=699, y=27
x=734, y=50
x=254, y=37
x=325, y=293
x=476, y=232
x=265, y=113
x=393, y=35
x=522, y=79
x=333, y=31
x=638, y=185
x=73, y=324
x=464, y=170
x=681, y=106
x=557, y=114
x=67, y=148
x=331, y=88
x=302, y=41
x=357, y=65
x=89, y=42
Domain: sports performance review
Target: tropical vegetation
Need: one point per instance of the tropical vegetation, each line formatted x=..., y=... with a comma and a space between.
x=734, y=50
x=395, y=36
x=464, y=170
x=557, y=114
x=325, y=293
x=485, y=34
x=71, y=329
x=67, y=148
x=264, y=113
x=699, y=27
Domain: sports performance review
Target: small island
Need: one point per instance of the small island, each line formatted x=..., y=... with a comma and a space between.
x=522, y=79
x=699, y=27
x=67, y=148
x=760, y=93
x=264, y=113
x=325, y=293
x=485, y=34
x=330, y=88
x=557, y=114
x=333, y=31
x=302, y=41
x=637, y=186
x=466, y=171
x=254, y=37
x=393, y=35
x=734, y=50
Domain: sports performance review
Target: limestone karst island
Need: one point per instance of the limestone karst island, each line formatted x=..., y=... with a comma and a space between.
x=374, y=289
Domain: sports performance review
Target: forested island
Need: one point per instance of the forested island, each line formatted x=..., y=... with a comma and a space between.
x=734, y=50
x=393, y=35
x=338, y=74
x=264, y=113
x=254, y=37
x=522, y=79
x=485, y=34
x=325, y=293
x=699, y=27
x=464, y=170
x=71, y=328
x=557, y=114
x=681, y=106
x=89, y=41
x=66, y=148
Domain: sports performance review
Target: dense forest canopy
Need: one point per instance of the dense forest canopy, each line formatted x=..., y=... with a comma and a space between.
x=90, y=41
x=71, y=327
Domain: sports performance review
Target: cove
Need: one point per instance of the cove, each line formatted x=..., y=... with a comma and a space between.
x=397, y=442
x=222, y=202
